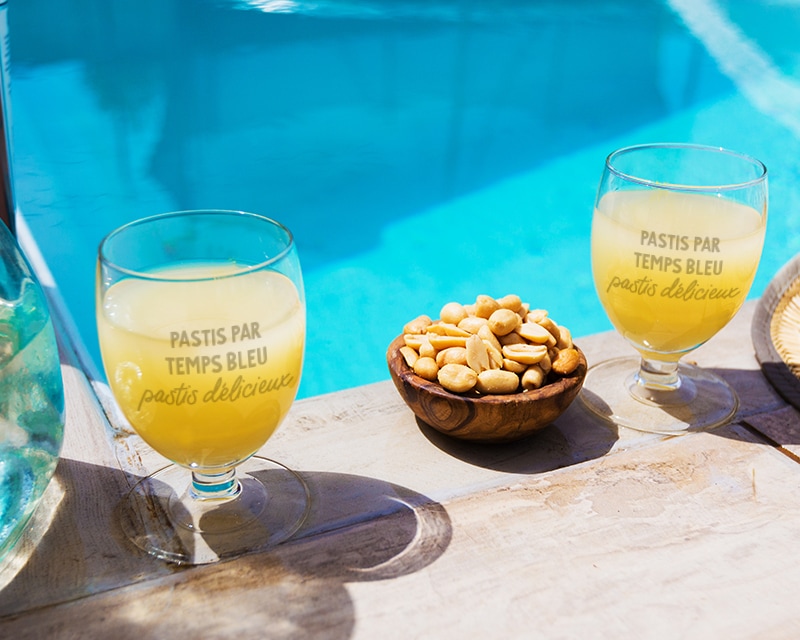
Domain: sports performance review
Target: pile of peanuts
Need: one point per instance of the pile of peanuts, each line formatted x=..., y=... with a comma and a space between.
x=494, y=346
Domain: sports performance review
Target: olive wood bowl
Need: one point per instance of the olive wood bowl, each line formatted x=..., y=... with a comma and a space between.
x=483, y=418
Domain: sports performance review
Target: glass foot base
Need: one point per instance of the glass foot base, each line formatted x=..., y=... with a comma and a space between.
x=159, y=517
x=703, y=401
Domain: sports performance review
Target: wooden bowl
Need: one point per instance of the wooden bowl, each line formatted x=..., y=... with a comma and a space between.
x=483, y=418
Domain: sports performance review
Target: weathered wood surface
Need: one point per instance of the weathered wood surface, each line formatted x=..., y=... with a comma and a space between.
x=579, y=531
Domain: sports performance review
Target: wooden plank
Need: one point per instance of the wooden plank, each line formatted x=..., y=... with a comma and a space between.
x=689, y=540
x=405, y=520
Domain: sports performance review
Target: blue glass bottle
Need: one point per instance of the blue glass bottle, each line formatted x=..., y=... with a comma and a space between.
x=31, y=393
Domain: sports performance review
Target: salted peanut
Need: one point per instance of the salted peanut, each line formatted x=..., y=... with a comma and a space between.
x=501, y=340
x=535, y=333
x=453, y=355
x=485, y=306
x=455, y=330
x=435, y=327
x=514, y=366
x=493, y=346
x=418, y=324
x=546, y=363
x=457, y=378
x=415, y=340
x=446, y=329
x=426, y=368
x=477, y=354
x=471, y=324
x=486, y=334
x=427, y=350
x=445, y=342
x=511, y=301
x=566, y=361
x=512, y=338
x=564, y=338
x=497, y=381
x=525, y=353
x=551, y=326
x=503, y=321
x=453, y=312
x=409, y=355
x=533, y=378
x=495, y=356
x=536, y=315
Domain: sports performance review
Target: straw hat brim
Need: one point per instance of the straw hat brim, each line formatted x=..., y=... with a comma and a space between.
x=775, y=332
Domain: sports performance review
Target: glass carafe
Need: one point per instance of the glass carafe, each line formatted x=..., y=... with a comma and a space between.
x=31, y=393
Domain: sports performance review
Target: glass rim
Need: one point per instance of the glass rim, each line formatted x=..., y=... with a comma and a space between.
x=730, y=186
x=149, y=275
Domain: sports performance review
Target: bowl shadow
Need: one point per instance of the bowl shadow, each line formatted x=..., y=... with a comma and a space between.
x=574, y=437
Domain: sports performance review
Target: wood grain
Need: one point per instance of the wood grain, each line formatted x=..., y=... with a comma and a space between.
x=580, y=530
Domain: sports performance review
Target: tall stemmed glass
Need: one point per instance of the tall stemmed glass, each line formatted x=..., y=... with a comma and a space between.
x=677, y=235
x=201, y=321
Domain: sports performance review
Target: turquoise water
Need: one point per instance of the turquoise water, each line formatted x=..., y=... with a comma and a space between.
x=421, y=152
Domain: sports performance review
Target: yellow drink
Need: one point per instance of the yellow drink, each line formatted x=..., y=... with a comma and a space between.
x=204, y=370
x=672, y=268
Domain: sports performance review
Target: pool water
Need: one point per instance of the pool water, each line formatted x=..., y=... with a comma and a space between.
x=421, y=152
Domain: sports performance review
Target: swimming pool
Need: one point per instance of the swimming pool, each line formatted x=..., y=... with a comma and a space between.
x=421, y=152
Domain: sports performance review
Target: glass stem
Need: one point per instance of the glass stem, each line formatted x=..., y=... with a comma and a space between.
x=657, y=375
x=215, y=486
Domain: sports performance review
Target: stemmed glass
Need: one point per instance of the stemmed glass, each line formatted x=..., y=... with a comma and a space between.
x=677, y=235
x=201, y=322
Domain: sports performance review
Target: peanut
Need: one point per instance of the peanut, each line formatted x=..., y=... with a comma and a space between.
x=426, y=368
x=494, y=346
x=566, y=361
x=511, y=338
x=525, y=353
x=415, y=340
x=471, y=324
x=535, y=333
x=444, y=342
x=418, y=324
x=409, y=355
x=485, y=334
x=485, y=306
x=546, y=363
x=513, y=365
x=451, y=355
x=564, y=338
x=447, y=329
x=477, y=354
x=453, y=312
x=503, y=321
x=457, y=378
x=551, y=327
x=536, y=315
x=426, y=349
x=497, y=381
x=511, y=301
x=533, y=378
